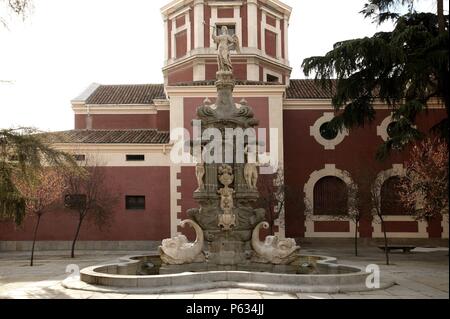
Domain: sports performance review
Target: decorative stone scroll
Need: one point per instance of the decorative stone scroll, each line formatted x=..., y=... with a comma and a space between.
x=178, y=250
x=273, y=250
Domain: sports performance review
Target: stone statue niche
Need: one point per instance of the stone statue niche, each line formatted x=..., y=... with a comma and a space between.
x=227, y=191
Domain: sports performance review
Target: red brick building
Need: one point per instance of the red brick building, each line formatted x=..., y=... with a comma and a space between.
x=113, y=121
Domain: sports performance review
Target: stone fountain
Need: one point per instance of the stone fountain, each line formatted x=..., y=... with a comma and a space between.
x=227, y=251
x=226, y=223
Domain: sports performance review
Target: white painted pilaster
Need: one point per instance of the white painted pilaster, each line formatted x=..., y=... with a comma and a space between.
x=252, y=22
x=166, y=41
x=252, y=71
x=175, y=209
x=199, y=71
x=286, y=38
x=276, y=122
x=199, y=34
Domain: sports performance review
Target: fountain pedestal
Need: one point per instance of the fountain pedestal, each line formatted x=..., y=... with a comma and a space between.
x=227, y=193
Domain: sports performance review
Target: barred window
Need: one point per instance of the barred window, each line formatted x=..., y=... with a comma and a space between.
x=330, y=197
x=391, y=203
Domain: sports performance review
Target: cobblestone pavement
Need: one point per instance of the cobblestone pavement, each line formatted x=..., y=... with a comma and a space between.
x=422, y=274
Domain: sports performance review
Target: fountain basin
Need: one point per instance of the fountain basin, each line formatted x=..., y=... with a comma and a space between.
x=140, y=274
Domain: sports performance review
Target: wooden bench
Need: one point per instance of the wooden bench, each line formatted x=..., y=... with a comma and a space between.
x=405, y=248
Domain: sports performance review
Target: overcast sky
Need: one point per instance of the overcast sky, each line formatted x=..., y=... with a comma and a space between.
x=66, y=45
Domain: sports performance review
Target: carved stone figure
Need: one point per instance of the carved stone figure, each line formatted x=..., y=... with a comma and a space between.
x=226, y=43
x=227, y=220
x=273, y=250
x=251, y=175
x=200, y=173
x=178, y=250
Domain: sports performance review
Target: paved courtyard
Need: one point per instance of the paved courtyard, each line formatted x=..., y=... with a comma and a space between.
x=422, y=274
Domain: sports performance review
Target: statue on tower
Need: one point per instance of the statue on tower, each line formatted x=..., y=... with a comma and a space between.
x=226, y=44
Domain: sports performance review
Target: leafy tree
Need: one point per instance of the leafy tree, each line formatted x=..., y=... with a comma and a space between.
x=23, y=154
x=41, y=195
x=89, y=197
x=424, y=190
x=404, y=68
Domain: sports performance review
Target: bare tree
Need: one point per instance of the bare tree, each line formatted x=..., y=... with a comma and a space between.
x=89, y=197
x=41, y=195
x=424, y=189
x=362, y=199
x=272, y=196
x=20, y=8
x=377, y=211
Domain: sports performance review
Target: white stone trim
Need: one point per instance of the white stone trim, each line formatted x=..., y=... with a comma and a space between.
x=176, y=114
x=252, y=71
x=276, y=30
x=114, y=155
x=444, y=225
x=211, y=53
x=382, y=128
x=378, y=232
x=225, y=4
x=275, y=109
x=187, y=26
x=199, y=34
x=199, y=70
x=273, y=73
x=286, y=39
x=328, y=170
x=211, y=91
x=315, y=132
x=166, y=42
x=271, y=12
x=175, y=195
x=118, y=109
x=310, y=233
x=86, y=93
x=396, y=170
x=252, y=22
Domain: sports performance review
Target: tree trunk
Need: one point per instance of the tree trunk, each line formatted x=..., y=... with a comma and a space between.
x=356, y=238
x=72, y=254
x=386, y=250
x=34, y=239
x=441, y=20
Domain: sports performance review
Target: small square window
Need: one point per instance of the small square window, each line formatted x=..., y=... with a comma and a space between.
x=79, y=157
x=135, y=158
x=135, y=202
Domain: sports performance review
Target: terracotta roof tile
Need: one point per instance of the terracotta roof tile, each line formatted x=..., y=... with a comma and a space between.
x=143, y=136
x=127, y=94
x=309, y=89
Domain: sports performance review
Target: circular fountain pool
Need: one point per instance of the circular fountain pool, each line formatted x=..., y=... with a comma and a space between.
x=146, y=274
